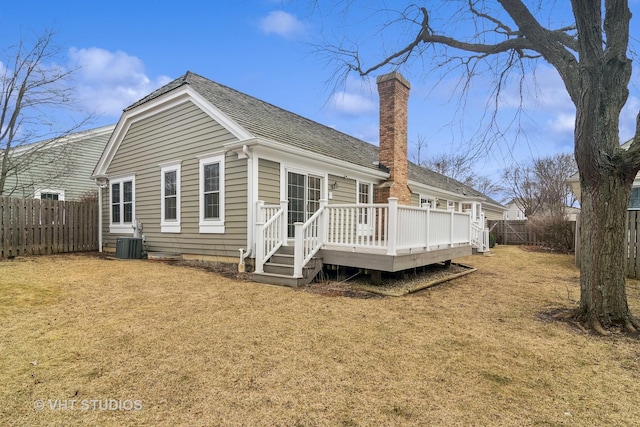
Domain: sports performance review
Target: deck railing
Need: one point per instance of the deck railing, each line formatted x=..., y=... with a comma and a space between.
x=480, y=235
x=271, y=231
x=309, y=238
x=385, y=228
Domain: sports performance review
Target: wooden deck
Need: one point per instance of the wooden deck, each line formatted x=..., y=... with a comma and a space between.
x=402, y=261
x=379, y=237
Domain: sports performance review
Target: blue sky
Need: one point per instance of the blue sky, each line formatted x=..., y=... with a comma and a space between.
x=126, y=49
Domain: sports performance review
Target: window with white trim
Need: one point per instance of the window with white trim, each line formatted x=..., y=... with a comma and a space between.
x=49, y=194
x=170, y=198
x=634, y=199
x=427, y=202
x=364, y=198
x=212, y=194
x=122, y=203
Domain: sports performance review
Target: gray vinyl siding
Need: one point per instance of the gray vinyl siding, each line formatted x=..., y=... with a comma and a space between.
x=63, y=165
x=183, y=133
x=415, y=199
x=345, y=192
x=269, y=181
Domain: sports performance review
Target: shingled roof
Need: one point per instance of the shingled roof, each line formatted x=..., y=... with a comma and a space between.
x=269, y=121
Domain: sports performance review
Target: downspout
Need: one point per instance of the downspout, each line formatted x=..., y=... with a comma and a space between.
x=250, y=211
x=101, y=185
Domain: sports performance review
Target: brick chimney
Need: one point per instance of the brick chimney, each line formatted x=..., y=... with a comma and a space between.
x=393, y=89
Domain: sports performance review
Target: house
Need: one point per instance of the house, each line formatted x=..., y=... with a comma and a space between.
x=202, y=170
x=57, y=169
x=634, y=199
x=514, y=211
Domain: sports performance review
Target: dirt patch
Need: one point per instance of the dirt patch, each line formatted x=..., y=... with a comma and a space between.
x=393, y=284
x=227, y=270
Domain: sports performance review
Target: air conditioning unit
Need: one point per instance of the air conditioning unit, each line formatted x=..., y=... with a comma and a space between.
x=129, y=248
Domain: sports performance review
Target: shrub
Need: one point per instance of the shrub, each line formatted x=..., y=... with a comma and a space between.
x=492, y=240
x=554, y=231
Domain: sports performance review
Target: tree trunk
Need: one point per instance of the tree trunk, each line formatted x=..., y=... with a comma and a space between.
x=606, y=178
x=603, y=298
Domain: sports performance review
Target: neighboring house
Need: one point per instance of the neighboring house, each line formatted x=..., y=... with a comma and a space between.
x=514, y=211
x=634, y=199
x=209, y=172
x=58, y=169
x=571, y=213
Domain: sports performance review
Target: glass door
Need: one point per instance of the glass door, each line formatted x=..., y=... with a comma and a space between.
x=303, y=193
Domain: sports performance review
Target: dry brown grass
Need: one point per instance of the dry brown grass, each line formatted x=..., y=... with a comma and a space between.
x=196, y=348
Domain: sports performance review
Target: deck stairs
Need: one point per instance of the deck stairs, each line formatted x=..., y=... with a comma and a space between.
x=278, y=270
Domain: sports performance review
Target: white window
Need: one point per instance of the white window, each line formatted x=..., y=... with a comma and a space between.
x=365, y=196
x=427, y=202
x=170, y=198
x=49, y=194
x=123, y=205
x=634, y=199
x=212, y=194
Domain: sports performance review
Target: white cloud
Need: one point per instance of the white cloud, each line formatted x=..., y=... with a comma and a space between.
x=628, y=118
x=357, y=98
x=563, y=123
x=282, y=23
x=108, y=81
x=352, y=103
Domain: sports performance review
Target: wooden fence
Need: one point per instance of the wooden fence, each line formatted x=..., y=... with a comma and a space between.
x=509, y=232
x=633, y=244
x=38, y=227
x=513, y=233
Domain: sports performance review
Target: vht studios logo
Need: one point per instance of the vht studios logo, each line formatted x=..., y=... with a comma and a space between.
x=88, y=405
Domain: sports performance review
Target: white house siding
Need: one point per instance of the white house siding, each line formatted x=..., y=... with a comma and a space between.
x=183, y=133
x=492, y=214
x=269, y=181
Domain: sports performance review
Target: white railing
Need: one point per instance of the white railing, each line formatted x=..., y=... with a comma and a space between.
x=271, y=231
x=480, y=234
x=390, y=227
x=363, y=226
x=384, y=228
x=309, y=238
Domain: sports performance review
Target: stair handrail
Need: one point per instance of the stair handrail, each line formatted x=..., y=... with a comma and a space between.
x=271, y=232
x=310, y=236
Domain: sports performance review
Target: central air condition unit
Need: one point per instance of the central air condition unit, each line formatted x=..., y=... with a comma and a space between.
x=128, y=248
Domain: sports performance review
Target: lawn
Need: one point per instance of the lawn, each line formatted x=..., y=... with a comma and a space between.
x=91, y=341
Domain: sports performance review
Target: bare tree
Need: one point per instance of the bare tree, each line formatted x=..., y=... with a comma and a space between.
x=457, y=166
x=542, y=185
x=33, y=91
x=522, y=187
x=591, y=55
x=552, y=173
